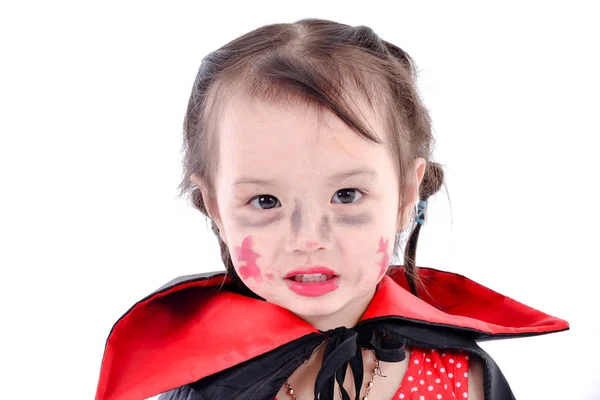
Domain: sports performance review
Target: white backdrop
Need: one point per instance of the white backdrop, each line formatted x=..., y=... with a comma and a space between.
x=93, y=96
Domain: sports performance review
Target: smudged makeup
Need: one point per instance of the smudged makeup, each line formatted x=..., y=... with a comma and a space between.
x=247, y=223
x=353, y=220
x=296, y=217
x=297, y=189
x=247, y=255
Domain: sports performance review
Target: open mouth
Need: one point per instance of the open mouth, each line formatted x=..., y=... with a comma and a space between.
x=310, y=278
x=313, y=284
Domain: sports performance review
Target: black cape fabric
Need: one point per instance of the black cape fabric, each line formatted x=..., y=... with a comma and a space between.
x=207, y=333
x=263, y=377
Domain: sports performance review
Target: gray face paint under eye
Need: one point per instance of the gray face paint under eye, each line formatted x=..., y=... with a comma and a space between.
x=353, y=220
x=296, y=217
x=247, y=224
x=325, y=228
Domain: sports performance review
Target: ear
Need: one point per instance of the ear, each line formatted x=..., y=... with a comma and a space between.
x=412, y=193
x=210, y=202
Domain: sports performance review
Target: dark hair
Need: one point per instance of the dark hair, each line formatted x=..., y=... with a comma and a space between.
x=320, y=63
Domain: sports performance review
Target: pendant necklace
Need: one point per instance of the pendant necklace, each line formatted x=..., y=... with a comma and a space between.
x=292, y=394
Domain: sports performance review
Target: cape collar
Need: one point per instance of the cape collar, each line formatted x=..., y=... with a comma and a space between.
x=197, y=325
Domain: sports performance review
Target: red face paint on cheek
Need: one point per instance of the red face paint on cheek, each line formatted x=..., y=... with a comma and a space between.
x=249, y=256
x=385, y=257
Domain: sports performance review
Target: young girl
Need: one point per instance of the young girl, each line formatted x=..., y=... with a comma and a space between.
x=308, y=147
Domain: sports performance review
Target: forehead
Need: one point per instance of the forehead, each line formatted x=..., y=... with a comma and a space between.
x=255, y=131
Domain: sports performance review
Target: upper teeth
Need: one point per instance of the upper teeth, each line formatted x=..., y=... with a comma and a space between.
x=311, y=278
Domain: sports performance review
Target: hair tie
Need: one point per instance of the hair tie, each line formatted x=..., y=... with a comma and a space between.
x=215, y=229
x=421, y=212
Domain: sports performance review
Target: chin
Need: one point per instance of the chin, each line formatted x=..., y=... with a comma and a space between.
x=313, y=307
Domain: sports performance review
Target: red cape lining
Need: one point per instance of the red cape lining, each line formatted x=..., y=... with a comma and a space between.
x=184, y=332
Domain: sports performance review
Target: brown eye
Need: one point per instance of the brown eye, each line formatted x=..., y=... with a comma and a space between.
x=348, y=195
x=265, y=201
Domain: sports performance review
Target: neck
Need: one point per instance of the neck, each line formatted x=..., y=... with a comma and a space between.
x=348, y=316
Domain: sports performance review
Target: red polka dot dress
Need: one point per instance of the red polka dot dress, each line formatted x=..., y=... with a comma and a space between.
x=435, y=375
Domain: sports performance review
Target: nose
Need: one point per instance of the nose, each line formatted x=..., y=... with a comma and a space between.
x=308, y=231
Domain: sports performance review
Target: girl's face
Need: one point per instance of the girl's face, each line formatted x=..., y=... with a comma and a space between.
x=308, y=209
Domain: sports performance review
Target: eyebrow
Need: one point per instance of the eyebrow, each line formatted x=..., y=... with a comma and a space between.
x=369, y=173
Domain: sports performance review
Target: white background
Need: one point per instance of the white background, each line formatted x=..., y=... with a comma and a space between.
x=93, y=96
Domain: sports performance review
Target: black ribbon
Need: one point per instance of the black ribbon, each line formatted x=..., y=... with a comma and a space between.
x=260, y=378
x=343, y=349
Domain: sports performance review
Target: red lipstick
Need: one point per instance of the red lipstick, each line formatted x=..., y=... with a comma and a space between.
x=317, y=269
x=313, y=288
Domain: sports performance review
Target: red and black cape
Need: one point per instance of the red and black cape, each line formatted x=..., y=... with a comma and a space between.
x=199, y=333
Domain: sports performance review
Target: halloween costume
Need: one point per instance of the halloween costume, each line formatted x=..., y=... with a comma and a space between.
x=433, y=375
x=200, y=339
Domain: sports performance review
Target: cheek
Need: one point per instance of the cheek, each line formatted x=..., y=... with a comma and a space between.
x=251, y=268
x=375, y=265
x=384, y=250
x=248, y=268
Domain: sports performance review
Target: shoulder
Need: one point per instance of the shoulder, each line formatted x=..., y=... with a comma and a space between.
x=475, y=379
